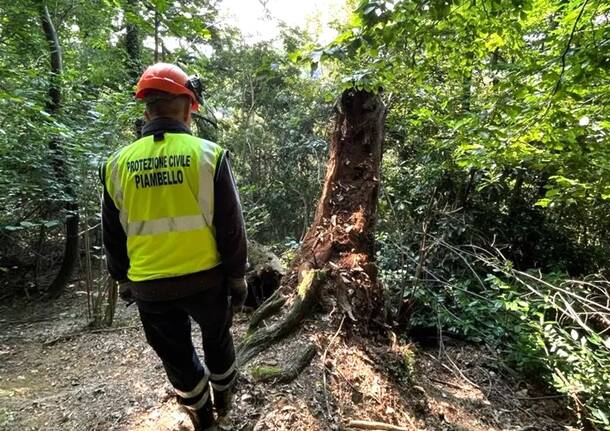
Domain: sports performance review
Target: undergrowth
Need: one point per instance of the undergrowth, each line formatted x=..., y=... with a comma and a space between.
x=546, y=326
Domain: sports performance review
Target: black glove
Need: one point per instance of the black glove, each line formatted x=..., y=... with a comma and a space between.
x=125, y=293
x=238, y=290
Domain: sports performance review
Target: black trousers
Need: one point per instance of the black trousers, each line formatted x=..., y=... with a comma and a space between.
x=167, y=326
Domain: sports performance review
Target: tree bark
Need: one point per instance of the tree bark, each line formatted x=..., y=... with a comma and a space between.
x=157, y=23
x=132, y=44
x=336, y=257
x=59, y=160
x=342, y=233
x=134, y=57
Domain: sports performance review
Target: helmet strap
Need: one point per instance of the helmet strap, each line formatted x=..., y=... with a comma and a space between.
x=195, y=85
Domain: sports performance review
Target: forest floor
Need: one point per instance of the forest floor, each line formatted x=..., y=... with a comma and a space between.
x=112, y=380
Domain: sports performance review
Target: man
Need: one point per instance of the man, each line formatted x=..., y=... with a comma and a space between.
x=175, y=241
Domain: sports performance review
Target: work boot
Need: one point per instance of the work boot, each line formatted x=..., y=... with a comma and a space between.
x=203, y=419
x=223, y=402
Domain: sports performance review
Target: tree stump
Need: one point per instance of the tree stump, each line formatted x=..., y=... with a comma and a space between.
x=336, y=258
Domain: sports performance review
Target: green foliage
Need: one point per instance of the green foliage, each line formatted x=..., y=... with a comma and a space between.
x=496, y=138
x=541, y=333
x=550, y=329
x=499, y=103
x=273, y=117
x=271, y=114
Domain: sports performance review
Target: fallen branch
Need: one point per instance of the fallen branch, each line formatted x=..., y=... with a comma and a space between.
x=542, y=397
x=366, y=425
x=67, y=337
x=324, y=364
x=446, y=383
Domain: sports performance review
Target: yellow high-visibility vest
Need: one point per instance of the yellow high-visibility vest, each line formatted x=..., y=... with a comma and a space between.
x=164, y=191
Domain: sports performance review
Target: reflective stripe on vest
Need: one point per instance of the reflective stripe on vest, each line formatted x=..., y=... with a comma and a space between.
x=165, y=195
x=114, y=188
x=169, y=224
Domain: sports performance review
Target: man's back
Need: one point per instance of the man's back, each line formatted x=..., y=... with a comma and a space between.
x=175, y=240
x=163, y=186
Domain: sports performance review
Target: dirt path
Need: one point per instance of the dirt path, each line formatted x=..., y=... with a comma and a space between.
x=113, y=381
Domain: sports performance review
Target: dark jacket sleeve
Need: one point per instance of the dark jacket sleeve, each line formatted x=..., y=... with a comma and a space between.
x=114, y=237
x=229, y=221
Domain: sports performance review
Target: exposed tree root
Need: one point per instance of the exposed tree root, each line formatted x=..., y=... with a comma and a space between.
x=303, y=305
x=270, y=307
x=286, y=374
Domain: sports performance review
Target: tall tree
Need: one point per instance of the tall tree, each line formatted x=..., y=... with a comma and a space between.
x=60, y=166
x=133, y=41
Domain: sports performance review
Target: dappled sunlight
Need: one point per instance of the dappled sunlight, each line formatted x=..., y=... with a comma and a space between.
x=411, y=197
x=289, y=413
x=166, y=417
x=363, y=391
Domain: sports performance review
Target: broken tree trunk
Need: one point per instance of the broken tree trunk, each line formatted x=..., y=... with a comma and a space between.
x=336, y=259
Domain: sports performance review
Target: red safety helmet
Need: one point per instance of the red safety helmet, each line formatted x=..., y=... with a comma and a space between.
x=171, y=79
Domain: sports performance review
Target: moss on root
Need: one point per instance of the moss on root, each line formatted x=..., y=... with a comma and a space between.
x=264, y=373
x=305, y=284
x=292, y=368
x=312, y=280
